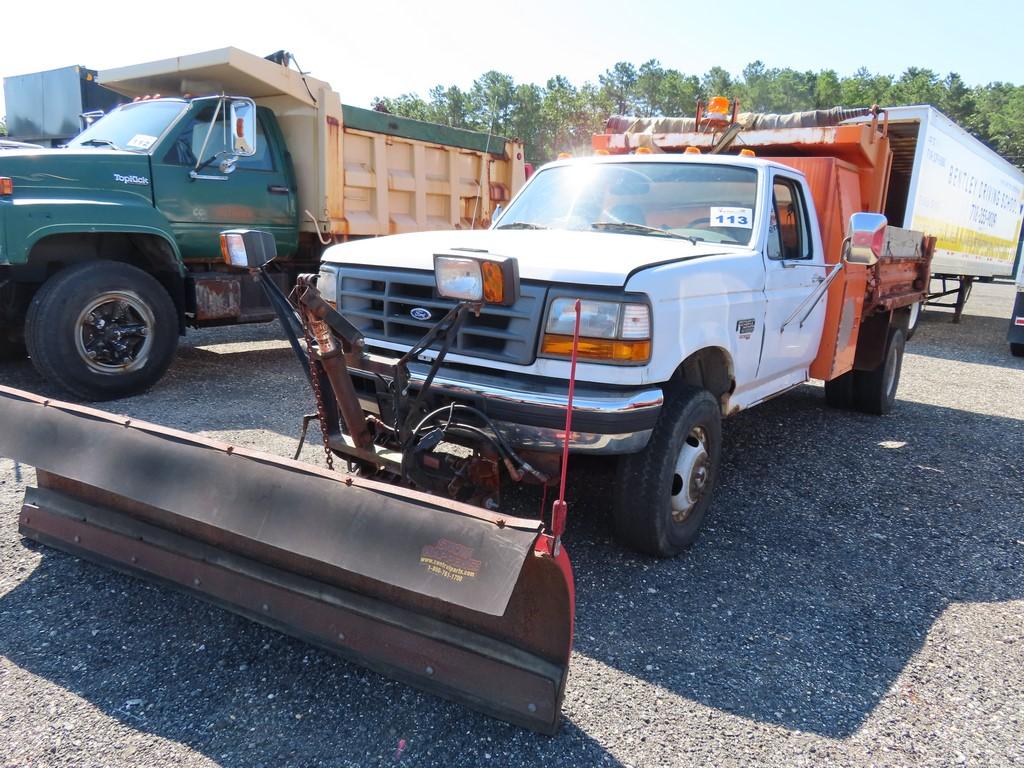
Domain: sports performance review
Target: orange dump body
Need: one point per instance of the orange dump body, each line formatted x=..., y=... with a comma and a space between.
x=847, y=169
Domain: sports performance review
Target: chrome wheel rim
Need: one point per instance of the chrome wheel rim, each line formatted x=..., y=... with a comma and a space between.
x=114, y=333
x=690, y=479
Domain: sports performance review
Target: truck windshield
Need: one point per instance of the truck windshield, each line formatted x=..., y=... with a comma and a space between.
x=134, y=126
x=697, y=201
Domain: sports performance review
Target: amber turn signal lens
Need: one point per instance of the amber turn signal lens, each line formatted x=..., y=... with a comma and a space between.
x=494, y=282
x=692, y=151
x=6, y=185
x=611, y=350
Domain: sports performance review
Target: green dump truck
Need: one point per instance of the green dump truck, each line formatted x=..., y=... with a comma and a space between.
x=109, y=246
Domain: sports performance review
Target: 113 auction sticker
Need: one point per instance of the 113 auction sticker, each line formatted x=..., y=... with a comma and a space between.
x=722, y=216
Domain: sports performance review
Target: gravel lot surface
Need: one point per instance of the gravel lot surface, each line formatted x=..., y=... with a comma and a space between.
x=857, y=598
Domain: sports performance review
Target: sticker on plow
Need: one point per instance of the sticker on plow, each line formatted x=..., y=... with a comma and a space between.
x=449, y=559
x=732, y=217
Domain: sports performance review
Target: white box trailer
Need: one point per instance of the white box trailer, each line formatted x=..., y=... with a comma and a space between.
x=947, y=183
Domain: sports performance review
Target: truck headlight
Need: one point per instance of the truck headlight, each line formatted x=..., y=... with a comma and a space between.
x=485, y=279
x=610, y=331
x=327, y=285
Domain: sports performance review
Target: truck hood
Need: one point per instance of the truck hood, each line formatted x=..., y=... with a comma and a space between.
x=87, y=174
x=557, y=256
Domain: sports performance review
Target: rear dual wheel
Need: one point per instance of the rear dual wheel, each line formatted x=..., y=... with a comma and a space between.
x=663, y=492
x=871, y=391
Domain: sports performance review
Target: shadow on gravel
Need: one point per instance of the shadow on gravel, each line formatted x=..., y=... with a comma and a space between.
x=822, y=569
x=823, y=565
x=975, y=339
x=245, y=696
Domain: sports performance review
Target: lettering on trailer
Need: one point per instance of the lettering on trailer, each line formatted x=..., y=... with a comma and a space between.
x=451, y=560
x=971, y=204
x=121, y=178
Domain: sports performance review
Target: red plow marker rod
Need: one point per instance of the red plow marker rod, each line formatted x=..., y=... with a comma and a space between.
x=559, y=509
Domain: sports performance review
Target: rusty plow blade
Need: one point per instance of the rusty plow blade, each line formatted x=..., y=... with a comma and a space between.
x=449, y=598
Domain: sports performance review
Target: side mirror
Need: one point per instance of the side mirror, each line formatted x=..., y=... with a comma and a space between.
x=478, y=279
x=866, y=238
x=247, y=248
x=242, y=113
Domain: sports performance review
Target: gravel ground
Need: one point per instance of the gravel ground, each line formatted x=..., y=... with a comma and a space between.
x=856, y=599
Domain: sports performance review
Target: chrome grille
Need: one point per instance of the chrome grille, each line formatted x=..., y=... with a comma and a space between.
x=378, y=302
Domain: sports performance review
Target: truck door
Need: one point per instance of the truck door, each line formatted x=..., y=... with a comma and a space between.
x=256, y=194
x=794, y=267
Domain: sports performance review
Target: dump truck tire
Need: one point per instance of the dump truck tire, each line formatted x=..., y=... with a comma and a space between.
x=12, y=350
x=102, y=330
x=875, y=391
x=839, y=391
x=662, y=493
x=916, y=310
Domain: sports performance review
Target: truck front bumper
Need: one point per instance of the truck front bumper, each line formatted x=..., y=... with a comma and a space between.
x=530, y=412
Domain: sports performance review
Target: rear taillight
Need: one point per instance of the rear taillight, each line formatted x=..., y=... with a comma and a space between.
x=6, y=185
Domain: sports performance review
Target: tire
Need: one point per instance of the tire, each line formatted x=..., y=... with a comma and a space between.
x=839, y=391
x=11, y=350
x=875, y=391
x=1017, y=350
x=648, y=517
x=102, y=330
x=916, y=310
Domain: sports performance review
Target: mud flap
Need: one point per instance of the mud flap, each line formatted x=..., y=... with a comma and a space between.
x=450, y=598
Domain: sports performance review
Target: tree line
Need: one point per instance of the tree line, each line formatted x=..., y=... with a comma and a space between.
x=561, y=116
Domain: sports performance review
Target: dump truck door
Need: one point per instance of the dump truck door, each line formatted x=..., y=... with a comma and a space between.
x=794, y=267
x=257, y=192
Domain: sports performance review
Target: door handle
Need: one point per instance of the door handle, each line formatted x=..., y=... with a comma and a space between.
x=277, y=189
x=818, y=278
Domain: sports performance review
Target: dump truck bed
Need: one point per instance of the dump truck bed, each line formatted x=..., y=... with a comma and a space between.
x=359, y=172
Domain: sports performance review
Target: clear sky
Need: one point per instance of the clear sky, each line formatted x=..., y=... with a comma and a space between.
x=374, y=48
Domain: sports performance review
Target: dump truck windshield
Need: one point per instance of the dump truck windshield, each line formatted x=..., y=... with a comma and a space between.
x=134, y=127
x=697, y=201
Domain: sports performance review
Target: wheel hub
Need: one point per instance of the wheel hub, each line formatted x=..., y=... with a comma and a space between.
x=114, y=332
x=691, y=476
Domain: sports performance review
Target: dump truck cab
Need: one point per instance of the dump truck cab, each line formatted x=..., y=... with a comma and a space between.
x=109, y=246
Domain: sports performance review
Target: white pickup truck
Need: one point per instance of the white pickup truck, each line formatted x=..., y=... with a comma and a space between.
x=702, y=280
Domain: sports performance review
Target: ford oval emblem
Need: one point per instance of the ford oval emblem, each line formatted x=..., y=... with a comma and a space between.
x=419, y=313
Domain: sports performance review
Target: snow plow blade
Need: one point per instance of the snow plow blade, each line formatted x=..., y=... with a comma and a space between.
x=456, y=600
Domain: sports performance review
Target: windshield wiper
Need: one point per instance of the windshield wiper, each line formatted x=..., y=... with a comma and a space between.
x=643, y=229
x=98, y=143
x=521, y=225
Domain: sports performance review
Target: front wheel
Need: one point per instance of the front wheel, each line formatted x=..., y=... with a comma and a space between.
x=662, y=493
x=102, y=330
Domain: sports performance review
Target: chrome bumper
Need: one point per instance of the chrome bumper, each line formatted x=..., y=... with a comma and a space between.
x=531, y=412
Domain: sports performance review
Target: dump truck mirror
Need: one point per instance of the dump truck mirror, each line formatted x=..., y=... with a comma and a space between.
x=865, y=238
x=479, y=279
x=243, y=127
x=247, y=248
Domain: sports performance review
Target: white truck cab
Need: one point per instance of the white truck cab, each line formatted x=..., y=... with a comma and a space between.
x=699, y=277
